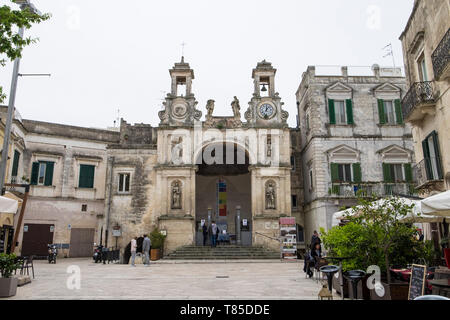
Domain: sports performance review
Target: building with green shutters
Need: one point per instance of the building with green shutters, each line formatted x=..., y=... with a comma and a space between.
x=353, y=139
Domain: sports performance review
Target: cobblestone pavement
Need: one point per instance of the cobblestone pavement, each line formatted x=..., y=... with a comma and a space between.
x=181, y=280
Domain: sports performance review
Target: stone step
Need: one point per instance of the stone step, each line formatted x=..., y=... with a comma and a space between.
x=222, y=253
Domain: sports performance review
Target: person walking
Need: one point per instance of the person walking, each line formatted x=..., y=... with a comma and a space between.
x=133, y=251
x=315, y=239
x=146, y=245
x=205, y=233
x=213, y=230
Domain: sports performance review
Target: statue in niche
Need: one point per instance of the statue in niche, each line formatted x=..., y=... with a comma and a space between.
x=177, y=150
x=270, y=196
x=210, y=109
x=236, y=108
x=176, y=195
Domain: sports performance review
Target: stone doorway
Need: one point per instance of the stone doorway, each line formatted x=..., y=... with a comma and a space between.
x=221, y=187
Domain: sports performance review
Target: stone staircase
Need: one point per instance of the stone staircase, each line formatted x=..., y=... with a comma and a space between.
x=222, y=253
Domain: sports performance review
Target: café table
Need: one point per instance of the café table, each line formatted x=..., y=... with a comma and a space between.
x=441, y=286
x=341, y=276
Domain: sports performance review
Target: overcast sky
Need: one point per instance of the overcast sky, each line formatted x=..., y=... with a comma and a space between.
x=106, y=55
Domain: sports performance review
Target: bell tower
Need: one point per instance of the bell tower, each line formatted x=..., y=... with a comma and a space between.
x=265, y=108
x=180, y=102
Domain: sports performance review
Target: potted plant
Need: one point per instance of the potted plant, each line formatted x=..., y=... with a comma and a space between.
x=8, y=285
x=157, y=239
x=445, y=243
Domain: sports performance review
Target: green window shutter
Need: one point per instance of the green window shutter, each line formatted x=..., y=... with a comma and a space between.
x=357, y=175
x=34, y=173
x=426, y=158
x=381, y=111
x=349, y=104
x=438, y=154
x=398, y=111
x=49, y=174
x=331, y=111
x=334, y=172
x=15, y=167
x=387, y=173
x=408, y=172
x=86, y=176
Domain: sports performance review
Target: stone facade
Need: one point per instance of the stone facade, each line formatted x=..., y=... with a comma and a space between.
x=426, y=45
x=352, y=139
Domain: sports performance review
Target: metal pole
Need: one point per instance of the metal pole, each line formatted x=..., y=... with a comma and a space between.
x=19, y=222
x=238, y=225
x=9, y=119
x=111, y=177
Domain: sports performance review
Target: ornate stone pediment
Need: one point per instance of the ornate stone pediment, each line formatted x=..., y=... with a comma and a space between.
x=343, y=154
x=395, y=153
x=387, y=88
x=338, y=87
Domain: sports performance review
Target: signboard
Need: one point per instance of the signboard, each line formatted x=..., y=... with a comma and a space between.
x=222, y=198
x=288, y=234
x=116, y=233
x=417, y=282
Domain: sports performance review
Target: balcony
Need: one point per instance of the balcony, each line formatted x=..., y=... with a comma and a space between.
x=419, y=101
x=441, y=58
x=427, y=177
x=370, y=189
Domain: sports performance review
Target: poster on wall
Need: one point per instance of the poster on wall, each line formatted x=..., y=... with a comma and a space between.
x=222, y=198
x=288, y=234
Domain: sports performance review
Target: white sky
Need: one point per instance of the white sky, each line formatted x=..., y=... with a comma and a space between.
x=108, y=55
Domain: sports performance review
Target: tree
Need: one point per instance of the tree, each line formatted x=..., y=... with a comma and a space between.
x=11, y=44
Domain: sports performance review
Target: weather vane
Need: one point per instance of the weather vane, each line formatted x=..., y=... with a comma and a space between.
x=389, y=52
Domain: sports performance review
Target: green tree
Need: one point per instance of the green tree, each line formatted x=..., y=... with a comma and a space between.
x=11, y=44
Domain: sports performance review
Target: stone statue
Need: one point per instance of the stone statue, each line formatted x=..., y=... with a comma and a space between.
x=210, y=109
x=176, y=195
x=236, y=108
x=270, y=196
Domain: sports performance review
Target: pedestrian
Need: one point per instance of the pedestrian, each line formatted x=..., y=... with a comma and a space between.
x=315, y=239
x=146, y=245
x=205, y=233
x=133, y=251
x=213, y=230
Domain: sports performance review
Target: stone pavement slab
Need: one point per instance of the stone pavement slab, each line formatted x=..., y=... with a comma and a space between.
x=174, y=280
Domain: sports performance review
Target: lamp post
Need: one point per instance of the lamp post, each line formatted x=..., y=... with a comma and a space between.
x=24, y=5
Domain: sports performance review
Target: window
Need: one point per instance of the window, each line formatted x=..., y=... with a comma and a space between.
x=124, y=182
x=340, y=111
x=15, y=167
x=422, y=66
x=432, y=157
x=42, y=173
x=293, y=164
x=294, y=201
x=390, y=111
x=84, y=208
x=345, y=173
x=397, y=172
x=87, y=173
x=311, y=181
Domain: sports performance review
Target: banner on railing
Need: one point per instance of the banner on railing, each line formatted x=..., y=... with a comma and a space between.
x=288, y=233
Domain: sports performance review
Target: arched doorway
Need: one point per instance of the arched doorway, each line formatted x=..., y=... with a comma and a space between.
x=221, y=187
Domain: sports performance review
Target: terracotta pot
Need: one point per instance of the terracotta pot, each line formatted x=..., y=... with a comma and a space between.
x=447, y=256
x=155, y=254
x=8, y=287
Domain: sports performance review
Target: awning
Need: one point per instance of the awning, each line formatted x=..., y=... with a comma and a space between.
x=8, y=205
x=438, y=205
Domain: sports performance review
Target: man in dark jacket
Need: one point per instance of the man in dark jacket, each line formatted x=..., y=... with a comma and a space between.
x=315, y=239
x=205, y=233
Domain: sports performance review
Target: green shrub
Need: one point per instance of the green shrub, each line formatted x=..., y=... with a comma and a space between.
x=8, y=265
x=157, y=239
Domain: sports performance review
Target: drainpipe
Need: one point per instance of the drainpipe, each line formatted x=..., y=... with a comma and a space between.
x=108, y=209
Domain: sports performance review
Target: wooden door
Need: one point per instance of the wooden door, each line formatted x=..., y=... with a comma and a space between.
x=81, y=242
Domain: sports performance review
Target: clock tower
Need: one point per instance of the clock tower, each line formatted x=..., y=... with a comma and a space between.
x=265, y=108
x=180, y=103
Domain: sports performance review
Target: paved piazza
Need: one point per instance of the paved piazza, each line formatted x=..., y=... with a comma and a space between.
x=184, y=280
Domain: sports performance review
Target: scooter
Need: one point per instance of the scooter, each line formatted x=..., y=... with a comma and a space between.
x=98, y=254
x=52, y=253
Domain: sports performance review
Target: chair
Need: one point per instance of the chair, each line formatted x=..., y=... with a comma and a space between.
x=320, y=262
x=27, y=264
x=20, y=262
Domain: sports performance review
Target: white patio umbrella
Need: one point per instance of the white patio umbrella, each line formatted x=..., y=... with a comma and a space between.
x=8, y=205
x=438, y=205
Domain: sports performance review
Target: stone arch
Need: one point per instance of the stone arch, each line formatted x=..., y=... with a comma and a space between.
x=198, y=153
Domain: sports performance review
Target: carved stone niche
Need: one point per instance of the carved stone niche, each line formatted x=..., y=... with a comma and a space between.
x=271, y=195
x=176, y=195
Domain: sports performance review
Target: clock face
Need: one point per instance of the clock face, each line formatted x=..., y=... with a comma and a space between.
x=267, y=110
x=179, y=110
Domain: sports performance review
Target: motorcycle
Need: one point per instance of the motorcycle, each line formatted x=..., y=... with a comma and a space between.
x=52, y=253
x=98, y=254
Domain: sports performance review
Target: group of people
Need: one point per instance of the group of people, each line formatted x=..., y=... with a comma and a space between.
x=312, y=258
x=146, y=246
x=211, y=232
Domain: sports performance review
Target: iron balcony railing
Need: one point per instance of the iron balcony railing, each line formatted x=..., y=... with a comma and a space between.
x=374, y=189
x=426, y=171
x=441, y=56
x=420, y=93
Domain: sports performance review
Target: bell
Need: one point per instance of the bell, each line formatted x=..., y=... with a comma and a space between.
x=264, y=89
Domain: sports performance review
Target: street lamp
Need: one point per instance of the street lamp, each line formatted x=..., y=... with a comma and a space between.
x=24, y=5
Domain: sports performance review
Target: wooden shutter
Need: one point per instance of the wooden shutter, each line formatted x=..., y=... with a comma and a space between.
x=438, y=154
x=387, y=173
x=408, y=172
x=331, y=111
x=86, y=176
x=334, y=172
x=381, y=111
x=426, y=159
x=349, y=108
x=49, y=173
x=34, y=173
x=15, y=167
x=357, y=175
x=398, y=111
